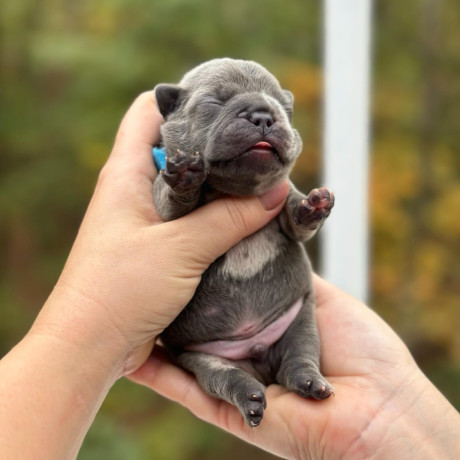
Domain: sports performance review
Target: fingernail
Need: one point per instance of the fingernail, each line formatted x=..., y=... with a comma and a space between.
x=271, y=199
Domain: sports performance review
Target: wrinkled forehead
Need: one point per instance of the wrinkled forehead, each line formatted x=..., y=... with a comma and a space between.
x=225, y=79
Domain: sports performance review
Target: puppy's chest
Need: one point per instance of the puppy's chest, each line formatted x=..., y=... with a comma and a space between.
x=253, y=253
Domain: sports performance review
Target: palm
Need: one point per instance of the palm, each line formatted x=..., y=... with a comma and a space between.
x=361, y=357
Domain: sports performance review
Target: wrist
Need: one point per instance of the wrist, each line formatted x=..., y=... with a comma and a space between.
x=57, y=377
x=54, y=392
x=82, y=327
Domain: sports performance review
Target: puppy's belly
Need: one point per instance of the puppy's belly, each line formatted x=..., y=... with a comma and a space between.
x=253, y=346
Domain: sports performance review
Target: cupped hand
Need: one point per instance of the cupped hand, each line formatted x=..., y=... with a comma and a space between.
x=379, y=403
x=129, y=274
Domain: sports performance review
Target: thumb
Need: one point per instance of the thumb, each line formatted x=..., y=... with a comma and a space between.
x=214, y=228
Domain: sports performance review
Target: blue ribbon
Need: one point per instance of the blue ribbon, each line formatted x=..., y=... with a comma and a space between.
x=159, y=157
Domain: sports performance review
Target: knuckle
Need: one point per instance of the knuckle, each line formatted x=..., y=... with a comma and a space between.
x=103, y=174
x=107, y=175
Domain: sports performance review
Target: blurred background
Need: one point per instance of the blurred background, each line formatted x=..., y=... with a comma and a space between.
x=69, y=70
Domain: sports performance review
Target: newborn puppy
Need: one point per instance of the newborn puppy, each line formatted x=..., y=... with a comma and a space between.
x=251, y=322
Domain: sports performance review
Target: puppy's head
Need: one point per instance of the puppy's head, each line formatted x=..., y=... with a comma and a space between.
x=238, y=117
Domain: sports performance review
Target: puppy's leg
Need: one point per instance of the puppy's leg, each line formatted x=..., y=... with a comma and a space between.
x=223, y=379
x=302, y=215
x=299, y=354
x=177, y=189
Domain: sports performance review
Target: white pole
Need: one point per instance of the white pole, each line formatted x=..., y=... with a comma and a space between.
x=344, y=242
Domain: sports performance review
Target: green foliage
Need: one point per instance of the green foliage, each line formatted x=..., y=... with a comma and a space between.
x=68, y=72
x=106, y=440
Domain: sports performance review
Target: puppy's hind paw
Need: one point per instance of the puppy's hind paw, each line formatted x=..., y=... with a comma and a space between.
x=252, y=407
x=316, y=388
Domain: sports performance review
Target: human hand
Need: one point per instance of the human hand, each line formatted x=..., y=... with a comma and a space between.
x=383, y=406
x=129, y=274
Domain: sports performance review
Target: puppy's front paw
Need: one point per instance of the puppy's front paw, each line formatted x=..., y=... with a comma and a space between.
x=184, y=173
x=313, y=211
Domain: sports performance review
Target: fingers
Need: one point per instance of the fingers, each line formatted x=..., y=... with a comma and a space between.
x=125, y=182
x=217, y=226
x=139, y=131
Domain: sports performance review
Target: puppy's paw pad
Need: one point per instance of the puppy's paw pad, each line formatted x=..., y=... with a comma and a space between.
x=184, y=172
x=253, y=408
x=316, y=388
x=315, y=208
x=321, y=198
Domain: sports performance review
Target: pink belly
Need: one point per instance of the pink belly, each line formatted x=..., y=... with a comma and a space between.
x=252, y=346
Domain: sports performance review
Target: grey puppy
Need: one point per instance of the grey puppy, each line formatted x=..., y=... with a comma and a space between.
x=251, y=321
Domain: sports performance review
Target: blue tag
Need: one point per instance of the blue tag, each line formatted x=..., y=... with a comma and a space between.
x=159, y=157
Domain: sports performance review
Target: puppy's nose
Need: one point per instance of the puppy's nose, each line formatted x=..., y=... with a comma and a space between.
x=261, y=118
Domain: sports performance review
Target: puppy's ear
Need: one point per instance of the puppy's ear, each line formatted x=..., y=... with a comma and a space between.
x=168, y=98
x=289, y=97
x=289, y=103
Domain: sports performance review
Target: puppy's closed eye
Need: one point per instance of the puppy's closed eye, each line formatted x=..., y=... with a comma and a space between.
x=212, y=100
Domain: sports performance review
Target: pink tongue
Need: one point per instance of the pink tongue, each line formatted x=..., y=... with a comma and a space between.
x=262, y=145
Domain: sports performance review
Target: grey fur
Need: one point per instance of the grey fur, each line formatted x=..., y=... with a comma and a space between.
x=213, y=117
x=260, y=248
